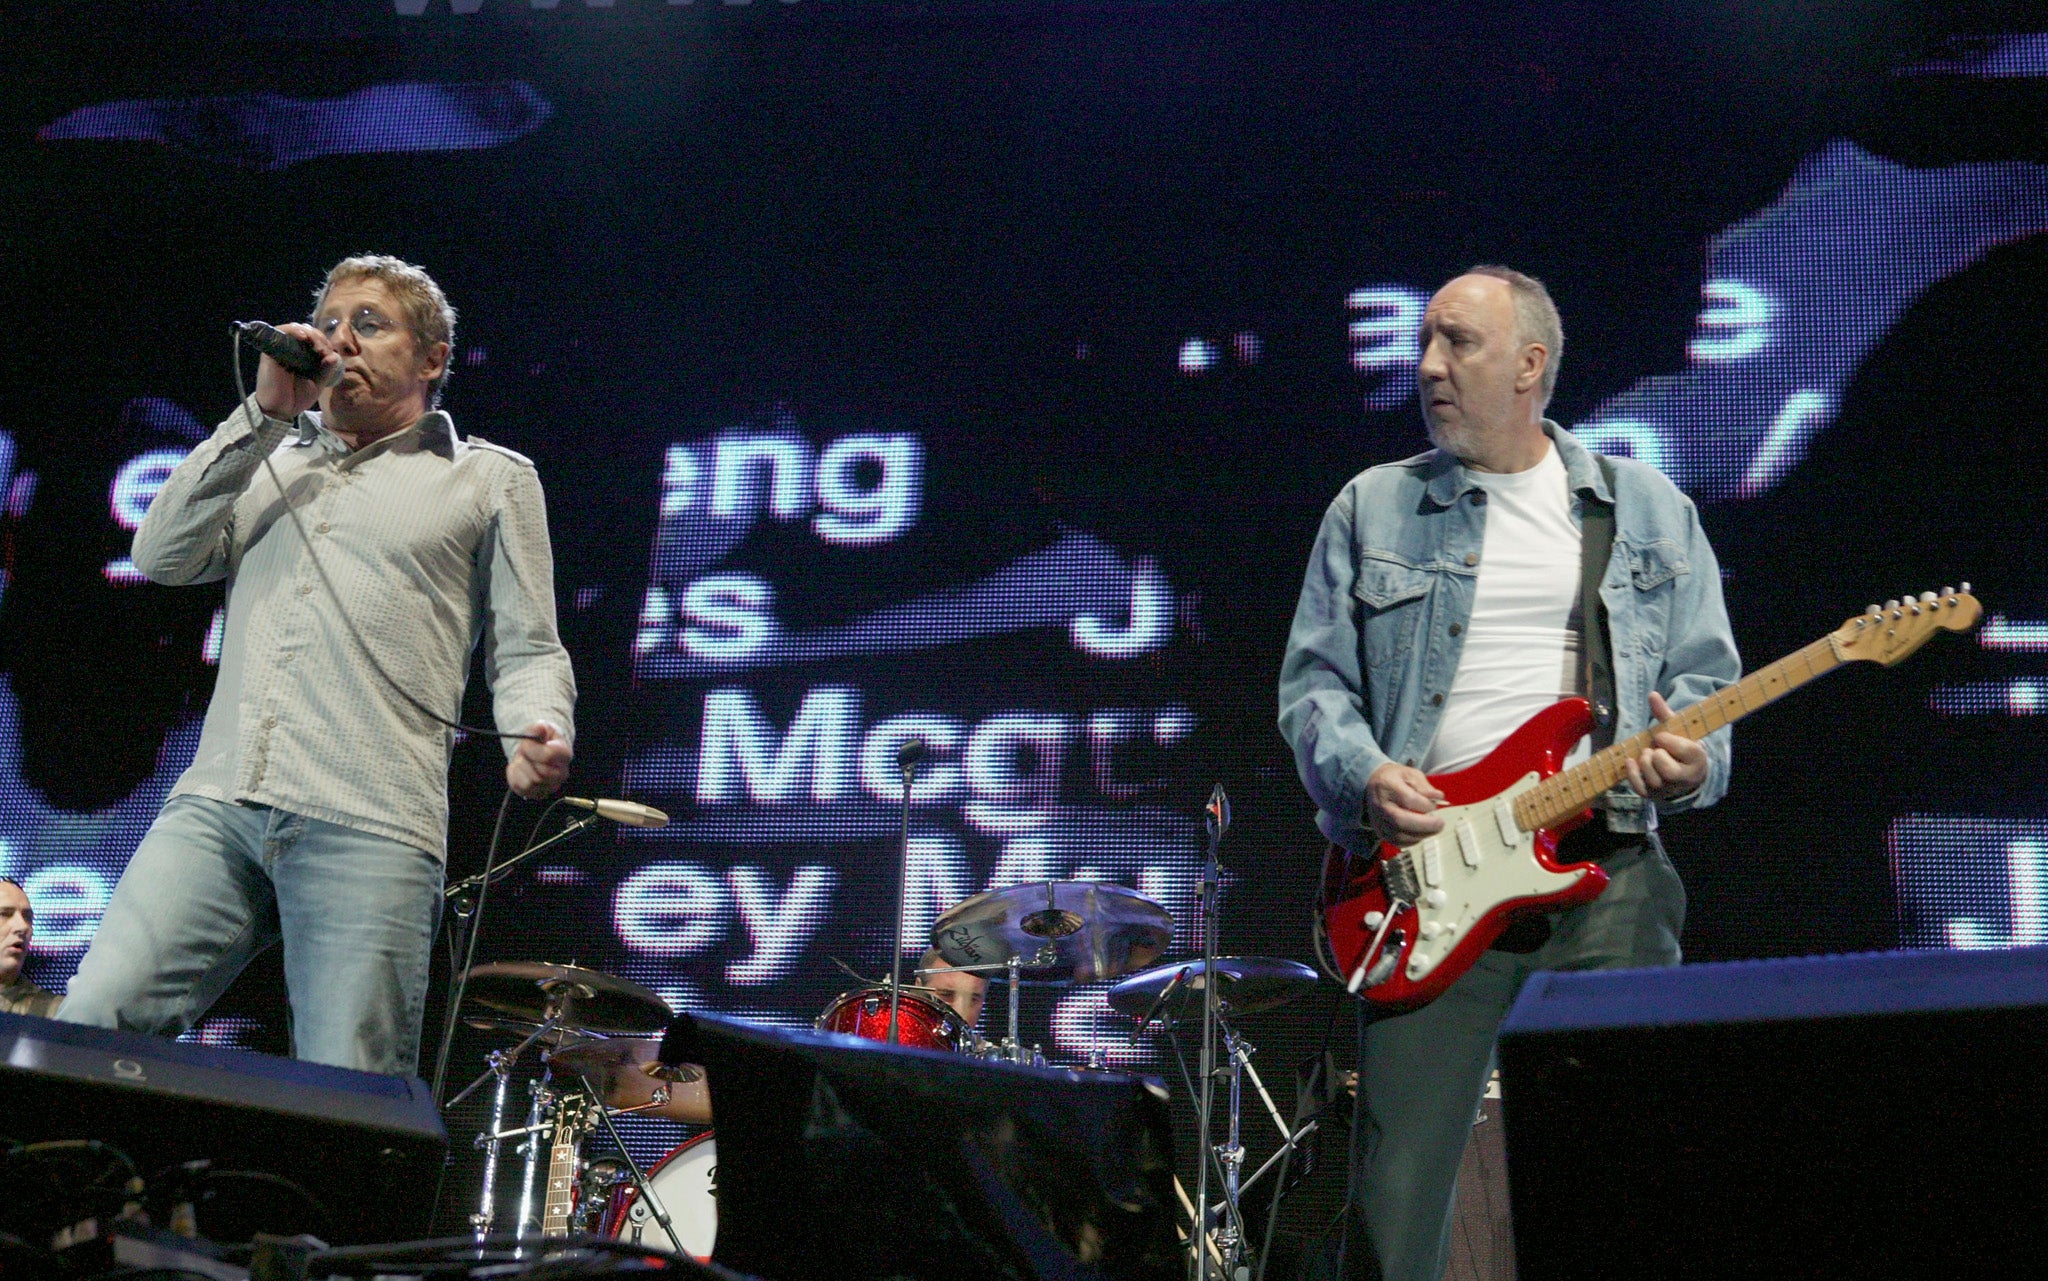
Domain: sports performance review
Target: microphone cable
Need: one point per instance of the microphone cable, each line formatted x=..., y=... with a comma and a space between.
x=248, y=411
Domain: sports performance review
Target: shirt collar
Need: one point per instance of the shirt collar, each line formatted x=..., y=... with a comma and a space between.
x=435, y=431
x=1448, y=480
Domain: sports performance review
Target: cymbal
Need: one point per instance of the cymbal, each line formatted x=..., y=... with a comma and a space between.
x=1064, y=931
x=625, y=1072
x=582, y=1000
x=1247, y=984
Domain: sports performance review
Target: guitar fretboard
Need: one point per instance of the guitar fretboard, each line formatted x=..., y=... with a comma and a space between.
x=1567, y=793
x=554, y=1218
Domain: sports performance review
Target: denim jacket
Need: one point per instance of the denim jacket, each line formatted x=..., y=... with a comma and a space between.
x=1380, y=625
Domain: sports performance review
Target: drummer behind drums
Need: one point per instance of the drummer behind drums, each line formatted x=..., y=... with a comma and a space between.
x=966, y=993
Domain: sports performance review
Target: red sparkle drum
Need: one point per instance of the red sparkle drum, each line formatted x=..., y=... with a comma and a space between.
x=922, y=1019
x=686, y=1182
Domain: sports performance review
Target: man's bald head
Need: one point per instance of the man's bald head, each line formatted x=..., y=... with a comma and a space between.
x=1482, y=379
x=1536, y=318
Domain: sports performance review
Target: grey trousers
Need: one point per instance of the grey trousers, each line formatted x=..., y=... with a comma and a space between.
x=1421, y=1074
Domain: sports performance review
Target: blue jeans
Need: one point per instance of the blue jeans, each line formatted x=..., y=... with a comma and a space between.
x=212, y=884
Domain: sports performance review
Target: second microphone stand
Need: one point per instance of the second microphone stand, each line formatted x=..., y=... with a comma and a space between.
x=466, y=899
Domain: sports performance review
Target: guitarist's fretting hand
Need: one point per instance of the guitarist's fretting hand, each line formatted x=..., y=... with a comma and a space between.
x=1400, y=802
x=1675, y=766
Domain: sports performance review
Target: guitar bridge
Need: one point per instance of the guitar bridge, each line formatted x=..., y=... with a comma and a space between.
x=1398, y=874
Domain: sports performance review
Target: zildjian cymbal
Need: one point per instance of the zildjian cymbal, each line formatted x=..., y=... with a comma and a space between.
x=1246, y=984
x=528, y=993
x=1063, y=931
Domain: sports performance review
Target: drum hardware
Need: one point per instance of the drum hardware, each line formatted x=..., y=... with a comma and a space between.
x=559, y=1005
x=1243, y=985
x=687, y=1179
x=565, y=1119
x=907, y=757
x=466, y=899
x=1050, y=932
x=1217, y=821
x=647, y=1195
x=500, y=1066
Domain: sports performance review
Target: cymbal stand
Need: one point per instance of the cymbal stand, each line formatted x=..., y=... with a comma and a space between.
x=906, y=762
x=537, y=1125
x=647, y=1194
x=1013, y=1046
x=1217, y=814
x=501, y=1062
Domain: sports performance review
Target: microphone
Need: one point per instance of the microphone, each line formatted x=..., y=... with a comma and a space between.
x=294, y=354
x=631, y=813
x=910, y=753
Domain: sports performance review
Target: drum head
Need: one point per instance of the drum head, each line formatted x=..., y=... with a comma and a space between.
x=686, y=1183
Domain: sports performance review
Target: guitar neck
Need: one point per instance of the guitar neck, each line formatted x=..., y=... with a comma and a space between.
x=554, y=1217
x=1571, y=791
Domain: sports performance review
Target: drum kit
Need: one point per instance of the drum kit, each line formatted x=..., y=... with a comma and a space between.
x=599, y=1036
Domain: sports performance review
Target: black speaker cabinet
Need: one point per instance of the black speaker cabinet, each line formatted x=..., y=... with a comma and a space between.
x=367, y=1148
x=1856, y=1116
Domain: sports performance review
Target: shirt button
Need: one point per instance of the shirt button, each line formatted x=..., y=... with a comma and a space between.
x=323, y=526
x=1471, y=558
x=284, y=658
x=1455, y=629
x=305, y=588
x=271, y=722
x=1436, y=700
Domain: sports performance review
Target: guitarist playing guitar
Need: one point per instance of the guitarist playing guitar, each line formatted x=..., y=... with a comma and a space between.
x=1442, y=608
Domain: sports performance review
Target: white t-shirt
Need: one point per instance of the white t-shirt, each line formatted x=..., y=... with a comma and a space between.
x=1522, y=645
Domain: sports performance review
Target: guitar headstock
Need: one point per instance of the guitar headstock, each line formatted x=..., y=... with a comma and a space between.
x=1889, y=632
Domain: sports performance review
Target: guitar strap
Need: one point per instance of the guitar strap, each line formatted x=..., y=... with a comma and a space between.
x=1596, y=656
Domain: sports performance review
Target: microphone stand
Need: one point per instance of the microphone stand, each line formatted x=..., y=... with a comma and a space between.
x=468, y=924
x=1218, y=812
x=906, y=761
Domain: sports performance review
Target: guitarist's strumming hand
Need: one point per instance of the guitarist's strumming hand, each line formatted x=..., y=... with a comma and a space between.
x=1400, y=802
x=1673, y=767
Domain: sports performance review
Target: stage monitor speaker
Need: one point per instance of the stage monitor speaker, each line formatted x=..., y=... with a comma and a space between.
x=1854, y=1116
x=367, y=1148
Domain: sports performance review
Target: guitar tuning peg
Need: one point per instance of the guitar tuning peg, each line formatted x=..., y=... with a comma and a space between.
x=1891, y=604
x=1947, y=592
x=1966, y=587
x=1875, y=611
x=1926, y=597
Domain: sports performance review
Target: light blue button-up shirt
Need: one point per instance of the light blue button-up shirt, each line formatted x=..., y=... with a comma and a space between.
x=432, y=543
x=1388, y=597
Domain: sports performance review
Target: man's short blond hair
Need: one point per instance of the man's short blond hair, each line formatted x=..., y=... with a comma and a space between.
x=1536, y=318
x=427, y=310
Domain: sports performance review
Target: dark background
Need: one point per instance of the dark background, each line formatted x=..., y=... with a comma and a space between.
x=995, y=226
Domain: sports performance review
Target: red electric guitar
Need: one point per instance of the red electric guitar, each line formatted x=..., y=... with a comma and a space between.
x=1402, y=926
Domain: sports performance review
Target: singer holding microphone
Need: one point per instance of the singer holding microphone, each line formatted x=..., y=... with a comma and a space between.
x=363, y=564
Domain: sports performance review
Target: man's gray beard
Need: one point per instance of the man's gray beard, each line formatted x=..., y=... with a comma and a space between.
x=1452, y=440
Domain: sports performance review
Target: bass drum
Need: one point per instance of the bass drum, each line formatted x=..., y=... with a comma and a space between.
x=686, y=1182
